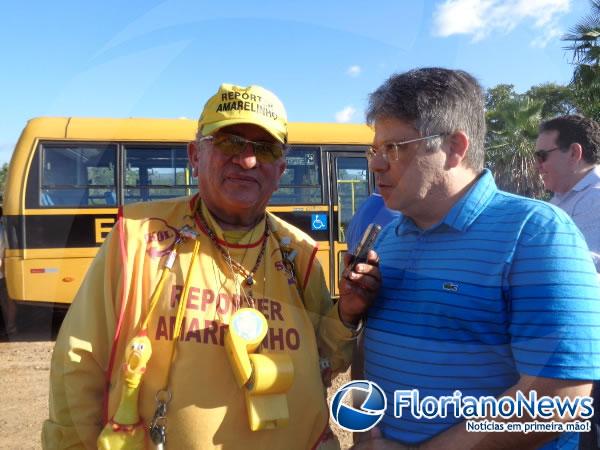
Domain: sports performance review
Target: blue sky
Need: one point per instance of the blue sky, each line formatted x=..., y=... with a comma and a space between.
x=322, y=58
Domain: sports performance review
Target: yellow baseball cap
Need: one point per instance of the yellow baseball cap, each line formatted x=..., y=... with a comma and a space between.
x=232, y=105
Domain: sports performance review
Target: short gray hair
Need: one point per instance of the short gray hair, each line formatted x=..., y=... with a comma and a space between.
x=437, y=101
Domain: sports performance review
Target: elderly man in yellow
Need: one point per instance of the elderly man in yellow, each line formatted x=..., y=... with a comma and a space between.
x=205, y=322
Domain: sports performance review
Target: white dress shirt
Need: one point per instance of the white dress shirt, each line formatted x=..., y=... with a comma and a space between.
x=582, y=203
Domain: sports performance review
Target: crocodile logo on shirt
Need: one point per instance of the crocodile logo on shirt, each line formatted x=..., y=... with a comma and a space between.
x=449, y=286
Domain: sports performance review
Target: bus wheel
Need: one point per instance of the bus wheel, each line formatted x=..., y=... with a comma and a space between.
x=8, y=308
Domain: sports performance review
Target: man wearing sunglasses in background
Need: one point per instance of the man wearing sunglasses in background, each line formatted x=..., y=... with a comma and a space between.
x=190, y=394
x=567, y=153
x=483, y=293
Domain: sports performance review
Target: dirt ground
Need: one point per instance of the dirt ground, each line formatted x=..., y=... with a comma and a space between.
x=24, y=372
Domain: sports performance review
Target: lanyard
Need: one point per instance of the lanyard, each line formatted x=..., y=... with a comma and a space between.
x=158, y=425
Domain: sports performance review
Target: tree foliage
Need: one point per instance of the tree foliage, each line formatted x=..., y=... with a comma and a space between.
x=3, y=172
x=584, y=42
x=513, y=121
x=557, y=100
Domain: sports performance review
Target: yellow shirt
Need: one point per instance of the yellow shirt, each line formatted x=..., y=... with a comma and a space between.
x=207, y=409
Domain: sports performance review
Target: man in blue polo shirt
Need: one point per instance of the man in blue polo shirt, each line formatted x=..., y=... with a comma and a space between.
x=483, y=292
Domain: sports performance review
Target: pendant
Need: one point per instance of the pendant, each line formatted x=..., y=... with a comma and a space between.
x=249, y=280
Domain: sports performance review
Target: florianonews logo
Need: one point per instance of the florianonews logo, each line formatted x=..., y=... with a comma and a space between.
x=371, y=409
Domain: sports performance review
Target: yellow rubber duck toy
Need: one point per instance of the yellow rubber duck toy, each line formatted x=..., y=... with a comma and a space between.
x=126, y=429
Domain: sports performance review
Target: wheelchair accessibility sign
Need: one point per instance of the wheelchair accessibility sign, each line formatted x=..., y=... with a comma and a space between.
x=318, y=222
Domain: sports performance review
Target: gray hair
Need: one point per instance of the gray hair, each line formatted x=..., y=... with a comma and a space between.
x=437, y=101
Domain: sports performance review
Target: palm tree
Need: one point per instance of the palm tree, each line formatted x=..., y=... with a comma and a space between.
x=510, y=142
x=585, y=45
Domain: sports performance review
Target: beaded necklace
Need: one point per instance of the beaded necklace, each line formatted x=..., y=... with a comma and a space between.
x=236, y=266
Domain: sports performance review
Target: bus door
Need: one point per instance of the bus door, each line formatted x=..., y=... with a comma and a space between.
x=349, y=187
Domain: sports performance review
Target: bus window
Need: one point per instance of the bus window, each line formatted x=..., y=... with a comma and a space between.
x=301, y=181
x=67, y=177
x=155, y=172
x=77, y=175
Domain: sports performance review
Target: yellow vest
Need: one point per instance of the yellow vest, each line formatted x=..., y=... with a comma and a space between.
x=207, y=409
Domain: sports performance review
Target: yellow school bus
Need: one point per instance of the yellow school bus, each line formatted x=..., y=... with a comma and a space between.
x=68, y=176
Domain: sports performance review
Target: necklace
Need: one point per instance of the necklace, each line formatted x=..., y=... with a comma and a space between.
x=236, y=266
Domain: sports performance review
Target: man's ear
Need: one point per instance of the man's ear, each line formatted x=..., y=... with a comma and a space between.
x=458, y=144
x=192, y=150
x=576, y=152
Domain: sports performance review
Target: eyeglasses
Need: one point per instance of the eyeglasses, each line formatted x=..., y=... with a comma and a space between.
x=542, y=155
x=233, y=145
x=390, y=151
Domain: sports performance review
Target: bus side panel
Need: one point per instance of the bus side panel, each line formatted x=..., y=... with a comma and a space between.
x=45, y=280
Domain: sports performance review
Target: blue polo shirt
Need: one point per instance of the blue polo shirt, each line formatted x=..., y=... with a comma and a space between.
x=503, y=285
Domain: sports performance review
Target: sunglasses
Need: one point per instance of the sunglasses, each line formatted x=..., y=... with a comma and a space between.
x=542, y=155
x=233, y=145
